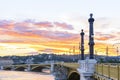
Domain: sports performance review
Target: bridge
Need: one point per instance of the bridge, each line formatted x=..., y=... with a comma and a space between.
x=85, y=69
x=103, y=71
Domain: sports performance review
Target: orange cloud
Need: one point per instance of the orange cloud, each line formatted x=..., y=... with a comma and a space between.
x=47, y=40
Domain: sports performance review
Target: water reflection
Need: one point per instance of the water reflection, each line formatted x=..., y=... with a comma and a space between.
x=17, y=75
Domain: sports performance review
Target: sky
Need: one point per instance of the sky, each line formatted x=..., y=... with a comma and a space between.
x=30, y=27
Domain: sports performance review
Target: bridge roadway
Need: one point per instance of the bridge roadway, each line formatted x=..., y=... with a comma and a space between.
x=69, y=70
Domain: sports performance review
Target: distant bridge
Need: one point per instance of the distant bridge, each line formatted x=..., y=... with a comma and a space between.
x=69, y=70
x=28, y=67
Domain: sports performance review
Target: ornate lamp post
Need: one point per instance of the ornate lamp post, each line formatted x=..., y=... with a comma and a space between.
x=91, y=37
x=116, y=46
x=82, y=44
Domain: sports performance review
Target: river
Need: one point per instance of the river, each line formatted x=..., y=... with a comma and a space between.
x=19, y=75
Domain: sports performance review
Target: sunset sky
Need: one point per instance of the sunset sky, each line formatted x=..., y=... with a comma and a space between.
x=30, y=27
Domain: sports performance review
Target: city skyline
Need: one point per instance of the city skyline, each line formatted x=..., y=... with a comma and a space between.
x=31, y=27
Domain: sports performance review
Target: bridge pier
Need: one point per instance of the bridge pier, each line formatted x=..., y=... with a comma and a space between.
x=1, y=67
x=13, y=68
x=28, y=68
x=86, y=69
x=52, y=67
x=60, y=72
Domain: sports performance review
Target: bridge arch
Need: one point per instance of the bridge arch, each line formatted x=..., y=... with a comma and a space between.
x=74, y=76
x=21, y=68
x=7, y=68
x=38, y=68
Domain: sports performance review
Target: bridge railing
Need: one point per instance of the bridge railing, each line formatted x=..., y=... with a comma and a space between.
x=111, y=71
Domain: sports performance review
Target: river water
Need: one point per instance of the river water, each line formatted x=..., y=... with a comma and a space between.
x=19, y=75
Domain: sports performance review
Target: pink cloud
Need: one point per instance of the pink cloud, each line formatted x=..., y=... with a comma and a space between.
x=45, y=24
x=4, y=24
x=64, y=25
x=25, y=30
x=101, y=36
x=57, y=35
x=22, y=27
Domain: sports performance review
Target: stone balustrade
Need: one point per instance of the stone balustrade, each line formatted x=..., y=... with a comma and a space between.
x=107, y=71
